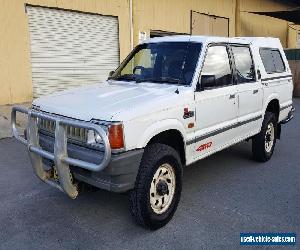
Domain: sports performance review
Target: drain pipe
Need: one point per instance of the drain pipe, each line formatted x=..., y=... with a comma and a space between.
x=131, y=23
x=237, y=18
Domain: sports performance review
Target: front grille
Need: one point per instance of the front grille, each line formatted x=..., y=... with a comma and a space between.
x=73, y=133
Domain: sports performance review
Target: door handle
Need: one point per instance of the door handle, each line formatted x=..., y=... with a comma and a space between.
x=255, y=91
x=232, y=96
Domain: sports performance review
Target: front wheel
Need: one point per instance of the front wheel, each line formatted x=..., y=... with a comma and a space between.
x=158, y=187
x=263, y=143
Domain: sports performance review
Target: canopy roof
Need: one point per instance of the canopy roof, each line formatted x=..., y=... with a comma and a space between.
x=288, y=15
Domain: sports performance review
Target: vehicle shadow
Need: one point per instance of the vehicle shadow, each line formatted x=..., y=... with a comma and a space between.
x=107, y=207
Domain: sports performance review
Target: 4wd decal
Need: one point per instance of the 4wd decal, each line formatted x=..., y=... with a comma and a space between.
x=187, y=113
x=204, y=146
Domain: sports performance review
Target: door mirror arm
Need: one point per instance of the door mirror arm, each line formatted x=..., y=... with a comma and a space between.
x=199, y=86
x=258, y=74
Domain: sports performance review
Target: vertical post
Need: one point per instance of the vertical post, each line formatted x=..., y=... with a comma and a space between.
x=60, y=153
x=131, y=22
x=237, y=18
x=33, y=140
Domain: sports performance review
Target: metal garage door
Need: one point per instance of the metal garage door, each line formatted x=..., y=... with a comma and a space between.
x=70, y=49
x=203, y=24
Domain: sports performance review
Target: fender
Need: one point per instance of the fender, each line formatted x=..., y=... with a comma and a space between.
x=158, y=127
x=273, y=96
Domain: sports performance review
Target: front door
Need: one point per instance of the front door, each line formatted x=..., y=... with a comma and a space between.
x=216, y=103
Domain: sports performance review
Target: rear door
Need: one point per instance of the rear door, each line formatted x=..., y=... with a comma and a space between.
x=249, y=91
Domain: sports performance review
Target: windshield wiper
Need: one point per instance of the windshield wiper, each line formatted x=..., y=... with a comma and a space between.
x=126, y=77
x=161, y=79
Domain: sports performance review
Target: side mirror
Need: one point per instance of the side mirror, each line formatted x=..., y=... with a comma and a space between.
x=208, y=81
x=111, y=73
x=258, y=74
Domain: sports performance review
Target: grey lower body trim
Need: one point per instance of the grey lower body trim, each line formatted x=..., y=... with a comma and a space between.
x=119, y=176
x=221, y=130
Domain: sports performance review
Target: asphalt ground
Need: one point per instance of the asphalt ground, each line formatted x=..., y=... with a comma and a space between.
x=223, y=195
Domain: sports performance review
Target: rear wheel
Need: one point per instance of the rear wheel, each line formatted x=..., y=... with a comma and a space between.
x=263, y=143
x=158, y=187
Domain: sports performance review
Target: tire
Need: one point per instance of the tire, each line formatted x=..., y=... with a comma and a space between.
x=159, y=176
x=263, y=144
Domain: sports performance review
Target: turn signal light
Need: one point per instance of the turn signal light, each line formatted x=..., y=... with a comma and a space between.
x=116, y=136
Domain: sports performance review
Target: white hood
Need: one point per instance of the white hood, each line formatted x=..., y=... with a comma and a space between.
x=113, y=101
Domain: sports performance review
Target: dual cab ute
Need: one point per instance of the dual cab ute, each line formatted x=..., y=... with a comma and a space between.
x=171, y=102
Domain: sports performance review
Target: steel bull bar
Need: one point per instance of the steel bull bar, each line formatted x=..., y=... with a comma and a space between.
x=60, y=155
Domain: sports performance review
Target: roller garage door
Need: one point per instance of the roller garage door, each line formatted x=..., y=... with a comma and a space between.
x=70, y=49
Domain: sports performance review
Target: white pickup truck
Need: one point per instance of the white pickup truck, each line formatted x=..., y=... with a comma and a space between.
x=171, y=102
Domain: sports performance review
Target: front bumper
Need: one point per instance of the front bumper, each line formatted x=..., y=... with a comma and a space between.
x=97, y=168
x=119, y=176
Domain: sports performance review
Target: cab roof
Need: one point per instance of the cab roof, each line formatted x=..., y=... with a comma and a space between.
x=261, y=41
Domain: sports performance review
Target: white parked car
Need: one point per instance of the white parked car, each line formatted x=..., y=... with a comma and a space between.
x=171, y=102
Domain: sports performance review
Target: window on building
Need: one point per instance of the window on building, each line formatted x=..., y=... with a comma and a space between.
x=216, y=70
x=244, y=64
x=272, y=60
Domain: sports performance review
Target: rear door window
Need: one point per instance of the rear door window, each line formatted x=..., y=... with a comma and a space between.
x=272, y=60
x=278, y=62
x=245, y=71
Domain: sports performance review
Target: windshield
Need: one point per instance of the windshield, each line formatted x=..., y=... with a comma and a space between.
x=165, y=62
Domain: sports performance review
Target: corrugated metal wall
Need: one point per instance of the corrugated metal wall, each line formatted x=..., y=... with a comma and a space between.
x=70, y=49
x=258, y=25
x=175, y=15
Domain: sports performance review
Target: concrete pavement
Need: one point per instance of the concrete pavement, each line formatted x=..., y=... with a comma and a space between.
x=223, y=195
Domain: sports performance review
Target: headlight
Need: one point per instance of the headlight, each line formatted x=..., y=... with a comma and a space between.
x=114, y=131
x=93, y=138
x=98, y=138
